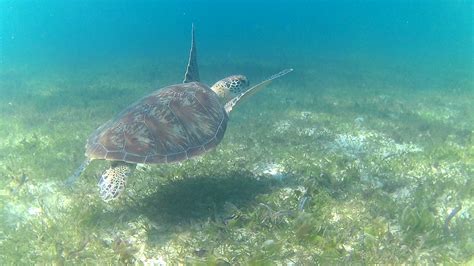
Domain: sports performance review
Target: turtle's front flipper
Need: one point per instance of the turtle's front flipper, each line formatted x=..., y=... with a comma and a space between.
x=235, y=101
x=113, y=180
x=72, y=179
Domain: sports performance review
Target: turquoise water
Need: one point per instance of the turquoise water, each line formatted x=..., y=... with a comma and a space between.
x=363, y=154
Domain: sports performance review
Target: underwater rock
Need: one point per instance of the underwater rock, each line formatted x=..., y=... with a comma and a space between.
x=272, y=170
x=305, y=115
x=353, y=146
x=365, y=142
x=308, y=131
x=359, y=121
x=282, y=126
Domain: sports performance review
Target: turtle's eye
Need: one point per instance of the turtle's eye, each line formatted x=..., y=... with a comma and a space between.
x=238, y=84
x=230, y=87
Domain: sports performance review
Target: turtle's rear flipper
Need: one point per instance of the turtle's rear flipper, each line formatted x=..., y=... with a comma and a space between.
x=113, y=180
x=72, y=179
x=192, y=71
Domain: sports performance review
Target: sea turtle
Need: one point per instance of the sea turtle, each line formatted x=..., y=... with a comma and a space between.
x=171, y=124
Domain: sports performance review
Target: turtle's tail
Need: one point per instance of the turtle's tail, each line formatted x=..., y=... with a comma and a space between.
x=72, y=179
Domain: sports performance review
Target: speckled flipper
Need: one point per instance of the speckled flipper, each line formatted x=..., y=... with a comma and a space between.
x=230, y=105
x=113, y=180
x=192, y=71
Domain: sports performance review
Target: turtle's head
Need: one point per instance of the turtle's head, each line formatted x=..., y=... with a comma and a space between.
x=230, y=87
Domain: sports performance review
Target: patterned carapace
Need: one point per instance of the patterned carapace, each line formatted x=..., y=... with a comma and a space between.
x=172, y=124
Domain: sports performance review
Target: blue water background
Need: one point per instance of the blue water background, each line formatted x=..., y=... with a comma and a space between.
x=438, y=34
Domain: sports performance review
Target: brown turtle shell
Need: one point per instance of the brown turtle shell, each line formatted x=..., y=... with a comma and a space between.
x=172, y=124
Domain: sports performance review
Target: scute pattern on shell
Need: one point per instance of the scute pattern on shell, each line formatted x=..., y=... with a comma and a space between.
x=172, y=124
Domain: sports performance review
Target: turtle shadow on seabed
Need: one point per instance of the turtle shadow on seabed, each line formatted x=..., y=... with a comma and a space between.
x=193, y=199
x=202, y=197
x=178, y=204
